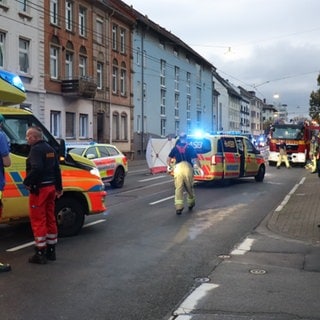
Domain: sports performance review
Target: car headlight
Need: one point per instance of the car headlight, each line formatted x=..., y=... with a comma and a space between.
x=95, y=172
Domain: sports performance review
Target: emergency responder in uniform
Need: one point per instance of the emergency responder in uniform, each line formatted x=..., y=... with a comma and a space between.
x=313, y=154
x=185, y=158
x=283, y=155
x=43, y=180
x=5, y=161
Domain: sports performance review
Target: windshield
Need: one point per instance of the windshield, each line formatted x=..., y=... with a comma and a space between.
x=287, y=132
x=16, y=126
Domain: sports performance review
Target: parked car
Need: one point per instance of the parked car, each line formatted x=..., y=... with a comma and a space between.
x=110, y=161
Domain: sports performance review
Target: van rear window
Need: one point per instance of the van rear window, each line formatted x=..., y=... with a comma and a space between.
x=201, y=145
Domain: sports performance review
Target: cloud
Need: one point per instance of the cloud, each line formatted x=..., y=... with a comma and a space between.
x=275, y=47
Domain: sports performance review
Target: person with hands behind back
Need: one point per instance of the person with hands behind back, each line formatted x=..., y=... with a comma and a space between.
x=186, y=160
x=44, y=182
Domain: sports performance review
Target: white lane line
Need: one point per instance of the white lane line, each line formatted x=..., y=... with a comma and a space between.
x=93, y=223
x=189, y=304
x=161, y=200
x=287, y=197
x=153, y=178
x=243, y=247
x=29, y=244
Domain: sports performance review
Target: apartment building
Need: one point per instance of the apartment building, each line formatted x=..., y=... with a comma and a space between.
x=22, y=48
x=172, y=85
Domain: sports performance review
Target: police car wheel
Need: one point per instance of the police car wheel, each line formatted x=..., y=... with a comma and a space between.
x=118, y=179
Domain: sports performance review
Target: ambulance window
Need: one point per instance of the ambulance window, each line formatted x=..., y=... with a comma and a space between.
x=229, y=145
x=200, y=145
x=249, y=146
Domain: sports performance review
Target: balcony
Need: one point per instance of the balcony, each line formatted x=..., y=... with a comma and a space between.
x=82, y=87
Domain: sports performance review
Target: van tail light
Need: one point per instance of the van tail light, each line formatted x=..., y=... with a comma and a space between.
x=213, y=160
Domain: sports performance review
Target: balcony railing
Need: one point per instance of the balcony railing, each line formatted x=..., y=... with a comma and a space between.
x=83, y=87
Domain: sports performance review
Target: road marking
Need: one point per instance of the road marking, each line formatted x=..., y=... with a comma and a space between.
x=243, y=247
x=93, y=223
x=287, y=197
x=186, y=308
x=161, y=200
x=29, y=244
x=150, y=179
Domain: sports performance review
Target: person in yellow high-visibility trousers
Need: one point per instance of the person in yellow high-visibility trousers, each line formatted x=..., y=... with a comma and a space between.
x=283, y=155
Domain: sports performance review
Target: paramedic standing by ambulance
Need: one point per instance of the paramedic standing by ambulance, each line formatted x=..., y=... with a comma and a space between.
x=186, y=159
x=43, y=180
x=5, y=161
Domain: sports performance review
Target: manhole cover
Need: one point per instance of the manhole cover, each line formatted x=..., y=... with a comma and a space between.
x=202, y=280
x=258, y=271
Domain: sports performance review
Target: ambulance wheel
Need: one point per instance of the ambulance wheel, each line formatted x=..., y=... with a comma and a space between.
x=70, y=216
x=260, y=175
x=118, y=179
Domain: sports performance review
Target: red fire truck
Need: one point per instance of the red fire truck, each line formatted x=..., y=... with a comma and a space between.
x=297, y=138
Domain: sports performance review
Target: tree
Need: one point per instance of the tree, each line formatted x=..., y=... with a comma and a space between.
x=314, y=110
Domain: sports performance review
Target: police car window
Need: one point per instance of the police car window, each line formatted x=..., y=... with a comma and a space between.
x=229, y=144
x=200, y=145
x=103, y=152
x=92, y=150
x=112, y=151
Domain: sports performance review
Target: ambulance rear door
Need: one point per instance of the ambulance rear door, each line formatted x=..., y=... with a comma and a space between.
x=231, y=157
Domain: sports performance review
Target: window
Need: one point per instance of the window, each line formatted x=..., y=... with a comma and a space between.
x=2, y=49
x=188, y=83
x=99, y=75
x=83, y=126
x=176, y=78
x=82, y=21
x=198, y=73
x=176, y=105
x=198, y=102
x=115, y=126
x=99, y=30
x=69, y=15
x=115, y=76
x=82, y=66
x=54, y=66
x=162, y=73
x=23, y=5
x=114, y=37
x=54, y=12
x=24, y=55
x=69, y=65
x=123, y=79
x=123, y=40
x=70, y=116
x=163, y=102
x=188, y=108
x=55, y=123
x=163, y=127
x=124, y=126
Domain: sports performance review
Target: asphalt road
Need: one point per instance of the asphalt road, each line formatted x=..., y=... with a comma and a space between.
x=139, y=260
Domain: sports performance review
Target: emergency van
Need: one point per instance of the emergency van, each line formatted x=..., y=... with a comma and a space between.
x=224, y=157
x=83, y=190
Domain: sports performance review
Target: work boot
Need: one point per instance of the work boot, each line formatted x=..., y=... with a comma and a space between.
x=4, y=267
x=39, y=257
x=51, y=252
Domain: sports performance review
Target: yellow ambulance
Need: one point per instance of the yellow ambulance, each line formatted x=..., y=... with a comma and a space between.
x=227, y=156
x=83, y=190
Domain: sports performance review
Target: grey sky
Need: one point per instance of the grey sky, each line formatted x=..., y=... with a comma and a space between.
x=275, y=44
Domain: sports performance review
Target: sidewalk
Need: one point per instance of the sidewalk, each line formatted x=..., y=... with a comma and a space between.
x=274, y=274
x=299, y=217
